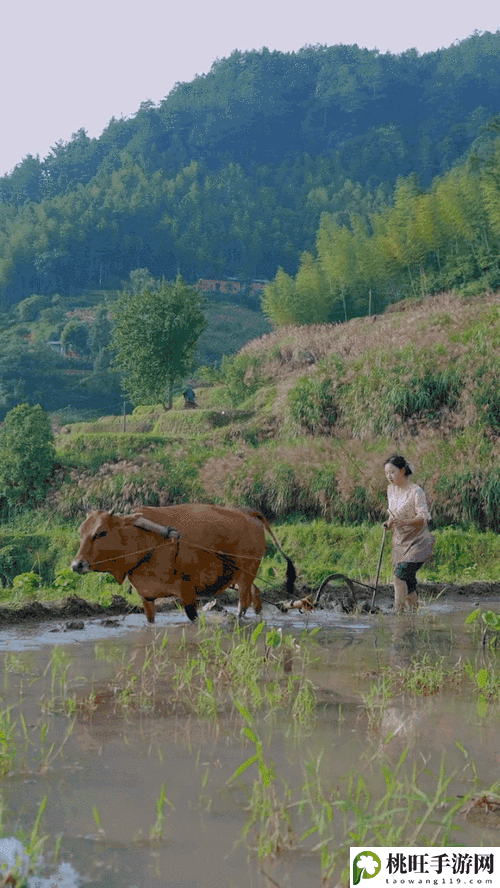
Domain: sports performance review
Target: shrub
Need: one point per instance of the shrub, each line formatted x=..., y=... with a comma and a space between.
x=13, y=561
x=26, y=583
x=239, y=375
x=27, y=454
x=275, y=491
x=29, y=309
x=75, y=336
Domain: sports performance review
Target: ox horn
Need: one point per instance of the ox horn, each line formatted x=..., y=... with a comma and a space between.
x=146, y=524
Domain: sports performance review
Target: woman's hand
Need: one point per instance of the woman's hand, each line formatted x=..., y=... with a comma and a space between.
x=410, y=523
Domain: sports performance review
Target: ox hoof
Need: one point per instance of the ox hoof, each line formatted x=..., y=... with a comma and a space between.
x=191, y=612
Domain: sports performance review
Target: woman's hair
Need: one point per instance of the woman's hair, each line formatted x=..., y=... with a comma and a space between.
x=400, y=462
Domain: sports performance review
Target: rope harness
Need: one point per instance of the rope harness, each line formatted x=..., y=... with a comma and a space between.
x=226, y=557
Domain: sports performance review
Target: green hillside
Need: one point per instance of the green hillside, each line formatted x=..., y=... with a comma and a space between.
x=52, y=354
x=300, y=419
x=299, y=424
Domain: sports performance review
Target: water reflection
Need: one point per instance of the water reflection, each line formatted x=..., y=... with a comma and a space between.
x=64, y=877
x=115, y=759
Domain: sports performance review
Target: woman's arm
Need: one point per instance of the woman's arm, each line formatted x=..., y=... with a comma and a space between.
x=416, y=522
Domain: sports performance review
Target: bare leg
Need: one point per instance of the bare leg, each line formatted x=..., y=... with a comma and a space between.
x=400, y=595
x=403, y=599
x=413, y=601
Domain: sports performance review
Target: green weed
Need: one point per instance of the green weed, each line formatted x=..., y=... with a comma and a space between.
x=411, y=805
x=423, y=676
x=8, y=741
x=156, y=831
x=376, y=700
x=268, y=813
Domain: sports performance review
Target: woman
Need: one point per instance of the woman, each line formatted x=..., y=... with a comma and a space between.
x=412, y=543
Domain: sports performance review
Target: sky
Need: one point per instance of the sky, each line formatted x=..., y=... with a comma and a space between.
x=68, y=64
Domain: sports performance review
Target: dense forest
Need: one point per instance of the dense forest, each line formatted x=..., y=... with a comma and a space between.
x=230, y=174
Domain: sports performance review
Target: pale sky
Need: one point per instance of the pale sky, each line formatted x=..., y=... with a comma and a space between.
x=66, y=65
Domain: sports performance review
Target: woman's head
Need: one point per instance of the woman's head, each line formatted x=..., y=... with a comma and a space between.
x=400, y=463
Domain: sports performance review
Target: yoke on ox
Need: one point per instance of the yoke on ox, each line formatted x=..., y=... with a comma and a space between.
x=182, y=551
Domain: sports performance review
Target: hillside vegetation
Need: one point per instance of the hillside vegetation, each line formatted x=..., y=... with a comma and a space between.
x=55, y=350
x=302, y=417
x=299, y=424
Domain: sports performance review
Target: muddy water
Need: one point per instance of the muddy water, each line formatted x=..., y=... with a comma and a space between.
x=102, y=766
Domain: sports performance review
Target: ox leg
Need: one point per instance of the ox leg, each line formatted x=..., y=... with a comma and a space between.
x=189, y=601
x=256, y=600
x=245, y=599
x=149, y=609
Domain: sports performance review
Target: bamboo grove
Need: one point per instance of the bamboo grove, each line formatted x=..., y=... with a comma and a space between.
x=423, y=241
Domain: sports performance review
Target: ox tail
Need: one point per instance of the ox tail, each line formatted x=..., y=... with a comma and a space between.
x=291, y=574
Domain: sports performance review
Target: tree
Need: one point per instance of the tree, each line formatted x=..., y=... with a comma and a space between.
x=27, y=454
x=99, y=339
x=155, y=337
x=75, y=337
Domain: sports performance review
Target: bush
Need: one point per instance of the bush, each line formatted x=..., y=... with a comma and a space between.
x=239, y=375
x=27, y=454
x=26, y=583
x=75, y=336
x=29, y=309
x=13, y=561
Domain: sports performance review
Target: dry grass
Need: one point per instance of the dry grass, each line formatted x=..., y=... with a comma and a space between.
x=429, y=323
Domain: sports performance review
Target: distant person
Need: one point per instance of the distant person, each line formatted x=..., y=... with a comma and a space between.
x=412, y=542
x=189, y=398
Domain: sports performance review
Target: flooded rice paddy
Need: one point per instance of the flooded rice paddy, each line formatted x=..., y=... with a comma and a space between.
x=190, y=757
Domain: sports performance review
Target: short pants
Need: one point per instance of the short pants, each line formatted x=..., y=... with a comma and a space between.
x=407, y=570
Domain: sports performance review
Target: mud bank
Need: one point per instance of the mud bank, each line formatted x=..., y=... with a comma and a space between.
x=76, y=608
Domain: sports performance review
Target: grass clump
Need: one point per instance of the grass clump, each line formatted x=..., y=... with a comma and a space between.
x=426, y=395
x=470, y=498
x=250, y=669
x=312, y=404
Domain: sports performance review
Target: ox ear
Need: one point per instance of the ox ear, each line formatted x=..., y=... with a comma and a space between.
x=111, y=511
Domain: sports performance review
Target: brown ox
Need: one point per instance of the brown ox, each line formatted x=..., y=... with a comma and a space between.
x=182, y=551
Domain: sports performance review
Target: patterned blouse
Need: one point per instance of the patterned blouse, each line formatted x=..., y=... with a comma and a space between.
x=409, y=543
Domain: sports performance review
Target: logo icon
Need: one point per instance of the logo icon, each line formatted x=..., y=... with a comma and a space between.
x=365, y=865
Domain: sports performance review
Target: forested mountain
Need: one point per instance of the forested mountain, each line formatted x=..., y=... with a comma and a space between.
x=229, y=174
